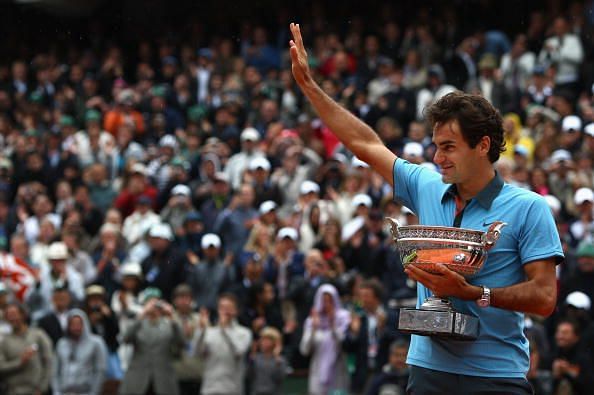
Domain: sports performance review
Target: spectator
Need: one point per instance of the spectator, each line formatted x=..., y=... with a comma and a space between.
x=369, y=336
x=55, y=322
x=564, y=51
x=211, y=275
x=267, y=366
x=235, y=222
x=285, y=262
x=572, y=367
x=188, y=367
x=81, y=359
x=324, y=331
x=178, y=207
x=104, y=323
x=125, y=304
x=140, y=221
x=239, y=162
x=157, y=340
x=394, y=376
x=25, y=355
x=165, y=267
x=56, y=274
x=222, y=348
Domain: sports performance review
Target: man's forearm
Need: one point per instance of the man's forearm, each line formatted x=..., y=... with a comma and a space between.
x=350, y=130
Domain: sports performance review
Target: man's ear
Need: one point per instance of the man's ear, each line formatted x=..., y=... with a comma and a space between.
x=485, y=145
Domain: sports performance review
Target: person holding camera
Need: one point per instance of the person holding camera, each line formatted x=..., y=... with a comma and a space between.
x=157, y=338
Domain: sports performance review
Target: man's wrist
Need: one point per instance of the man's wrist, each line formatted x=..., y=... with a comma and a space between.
x=474, y=292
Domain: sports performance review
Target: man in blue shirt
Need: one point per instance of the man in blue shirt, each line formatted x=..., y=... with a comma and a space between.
x=519, y=274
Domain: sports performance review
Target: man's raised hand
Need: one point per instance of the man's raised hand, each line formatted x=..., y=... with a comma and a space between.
x=299, y=64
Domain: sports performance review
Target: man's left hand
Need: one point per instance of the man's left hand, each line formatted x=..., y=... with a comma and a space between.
x=444, y=283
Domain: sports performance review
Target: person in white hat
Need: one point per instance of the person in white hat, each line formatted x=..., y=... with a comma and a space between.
x=582, y=227
x=165, y=267
x=571, y=136
x=260, y=170
x=178, y=207
x=136, y=225
x=239, y=162
x=361, y=204
x=286, y=262
x=208, y=278
x=469, y=138
x=126, y=305
x=55, y=274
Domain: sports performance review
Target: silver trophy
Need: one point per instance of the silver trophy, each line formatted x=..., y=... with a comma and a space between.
x=461, y=250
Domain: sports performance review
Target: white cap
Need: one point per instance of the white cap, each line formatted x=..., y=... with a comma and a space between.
x=350, y=228
x=161, y=231
x=578, y=299
x=250, y=134
x=361, y=199
x=430, y=165
x=356, y=162
x=57, y=251
x=131, y=269
x=560, y=155
x=210, y=239
x=583, y=195
x=168, y=141
x=554, y=203
x=520, y=149
x=108, y=227
x=181, y=189
x=291, y=233
x=413, y=149
x=259, y=162
x=267, y=207
x=221, y=176
x=3, y=288
x=138, y=168
x=308, y=186
x=571, y=123
x=589, y=129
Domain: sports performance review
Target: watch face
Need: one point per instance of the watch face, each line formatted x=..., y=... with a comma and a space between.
x=483, y=302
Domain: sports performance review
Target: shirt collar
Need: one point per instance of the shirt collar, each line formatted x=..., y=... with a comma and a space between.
x=485, y=197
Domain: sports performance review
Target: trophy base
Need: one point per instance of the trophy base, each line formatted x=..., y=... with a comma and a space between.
x=448, y=324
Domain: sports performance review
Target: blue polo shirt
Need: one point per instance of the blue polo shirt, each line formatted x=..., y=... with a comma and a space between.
x=501, y=349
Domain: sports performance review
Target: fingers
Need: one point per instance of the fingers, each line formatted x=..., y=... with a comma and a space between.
x=297, y=39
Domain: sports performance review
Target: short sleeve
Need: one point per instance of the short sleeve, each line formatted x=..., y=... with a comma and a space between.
x=539, y=238
x=409, y=180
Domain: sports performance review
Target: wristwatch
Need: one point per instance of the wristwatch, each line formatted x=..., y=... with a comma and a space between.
x=485, y=299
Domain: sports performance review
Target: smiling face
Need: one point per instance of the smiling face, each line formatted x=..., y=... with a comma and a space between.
x=457, y=160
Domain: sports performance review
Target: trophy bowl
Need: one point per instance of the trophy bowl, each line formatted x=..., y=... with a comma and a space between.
x=461, y=250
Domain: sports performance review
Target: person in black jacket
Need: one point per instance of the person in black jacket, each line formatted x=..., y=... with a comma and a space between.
x=165, y=267
x=573, y=371
x=104, y=323
x=55, y=321
x=369, y=336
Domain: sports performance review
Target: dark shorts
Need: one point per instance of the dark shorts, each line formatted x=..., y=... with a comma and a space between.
x=422, y=381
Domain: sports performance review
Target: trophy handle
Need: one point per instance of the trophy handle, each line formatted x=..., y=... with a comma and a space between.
x=393, y=227
x=493, y=234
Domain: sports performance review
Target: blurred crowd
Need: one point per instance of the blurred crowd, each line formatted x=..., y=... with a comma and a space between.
x=177, y=220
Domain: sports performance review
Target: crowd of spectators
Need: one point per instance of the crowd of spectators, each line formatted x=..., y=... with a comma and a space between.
x=177, y=220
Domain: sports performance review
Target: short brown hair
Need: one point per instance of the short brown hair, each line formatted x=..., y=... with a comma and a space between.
x=475, y=115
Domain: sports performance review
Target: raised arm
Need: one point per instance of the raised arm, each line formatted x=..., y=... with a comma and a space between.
x=359, y=138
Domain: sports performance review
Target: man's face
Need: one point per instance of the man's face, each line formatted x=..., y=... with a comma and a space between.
x=211, y=252
x=368, y=300
x=458, y=162
x=61, y=300
x=586, y=264
x=565, y=335
x=227, y=308
x=398, y=357
x=14, y=317
x=183, y=302
x=75, y=327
